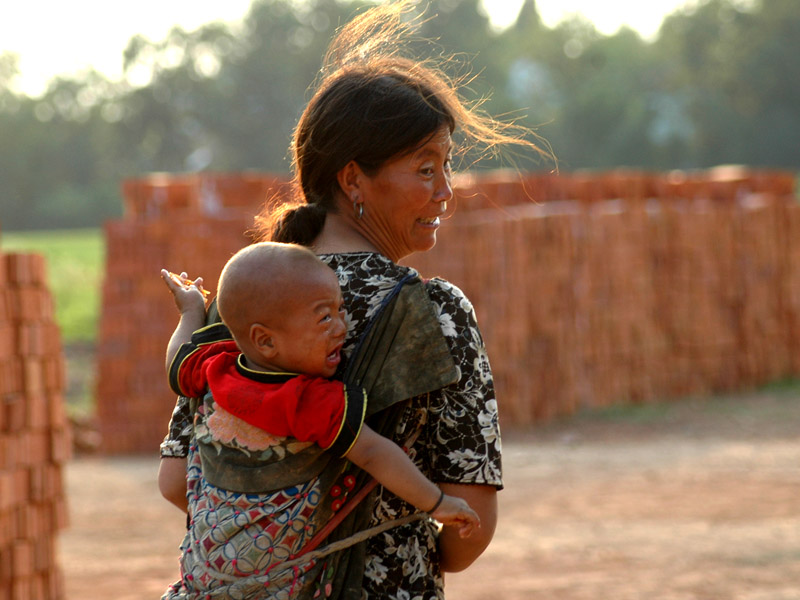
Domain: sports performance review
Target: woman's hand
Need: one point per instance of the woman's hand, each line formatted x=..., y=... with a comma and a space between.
x=458, y=553
x=455, y=512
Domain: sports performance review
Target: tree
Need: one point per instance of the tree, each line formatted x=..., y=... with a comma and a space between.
x=737, y=65
x=720, y=84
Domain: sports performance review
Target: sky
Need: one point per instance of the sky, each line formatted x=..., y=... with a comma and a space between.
x=55, y=37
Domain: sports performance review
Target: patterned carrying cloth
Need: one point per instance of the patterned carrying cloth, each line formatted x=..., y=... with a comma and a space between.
x=234, y=549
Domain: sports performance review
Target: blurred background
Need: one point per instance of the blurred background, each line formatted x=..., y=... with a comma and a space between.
x=659, y=295
x=717, y=82
x=89, y=99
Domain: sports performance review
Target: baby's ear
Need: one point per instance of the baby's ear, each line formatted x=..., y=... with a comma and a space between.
x=263, y=340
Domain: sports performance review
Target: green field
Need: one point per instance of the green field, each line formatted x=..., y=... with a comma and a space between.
x=75, y=261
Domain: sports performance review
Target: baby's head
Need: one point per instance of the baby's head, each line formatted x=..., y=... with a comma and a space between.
x=283, y=307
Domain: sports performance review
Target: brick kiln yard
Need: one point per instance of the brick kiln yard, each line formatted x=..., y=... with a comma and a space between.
x=692, y=500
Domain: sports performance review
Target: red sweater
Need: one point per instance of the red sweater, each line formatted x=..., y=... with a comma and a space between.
x=310, y=409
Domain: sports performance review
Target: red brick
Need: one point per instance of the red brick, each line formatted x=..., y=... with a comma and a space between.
x=22, y=559
x=33, y=376
x=37, y=411
x=60, y=445
x=7, y=495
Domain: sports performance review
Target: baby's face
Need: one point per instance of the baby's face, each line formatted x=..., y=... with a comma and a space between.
x=312, y=333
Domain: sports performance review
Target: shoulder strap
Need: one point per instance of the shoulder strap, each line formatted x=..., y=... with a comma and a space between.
x=403, y=353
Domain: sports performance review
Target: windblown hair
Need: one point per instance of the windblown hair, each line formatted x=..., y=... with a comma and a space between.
x=372, y=104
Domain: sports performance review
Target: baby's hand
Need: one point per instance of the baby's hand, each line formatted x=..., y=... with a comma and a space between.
x=188, y=294
x=456, y=512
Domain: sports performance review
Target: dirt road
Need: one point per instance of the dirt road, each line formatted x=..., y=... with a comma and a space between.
x=693, y=500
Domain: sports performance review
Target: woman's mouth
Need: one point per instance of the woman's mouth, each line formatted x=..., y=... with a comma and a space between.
x=430, y=221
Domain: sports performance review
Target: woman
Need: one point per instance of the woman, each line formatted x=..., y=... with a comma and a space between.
x=372, y=158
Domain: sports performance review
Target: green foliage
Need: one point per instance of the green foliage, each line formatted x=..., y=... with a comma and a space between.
x=738, y=66
x=720, y=84
x=75, y=260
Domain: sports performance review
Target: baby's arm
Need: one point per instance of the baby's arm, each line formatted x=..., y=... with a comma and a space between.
x=191, y=303
x=386, y=462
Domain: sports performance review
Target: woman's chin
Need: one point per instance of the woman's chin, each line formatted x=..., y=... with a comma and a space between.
x=426, y=245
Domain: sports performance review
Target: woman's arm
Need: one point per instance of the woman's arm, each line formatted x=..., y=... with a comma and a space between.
x=466, y=424
x=174, y=450
x=458, y=553
x=172, y=481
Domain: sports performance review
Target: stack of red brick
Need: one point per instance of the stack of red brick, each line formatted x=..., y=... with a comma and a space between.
x=190, y=223
x=34, y=433
x=591, y=288
x=613, y=298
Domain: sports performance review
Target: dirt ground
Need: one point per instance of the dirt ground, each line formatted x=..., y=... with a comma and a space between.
x=690, y=500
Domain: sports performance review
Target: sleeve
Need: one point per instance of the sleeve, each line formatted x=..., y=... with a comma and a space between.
x=181, y=424
x=355, y=409
x=187, y=375
x=464, y=435
x=310, y=409
x=179, y=433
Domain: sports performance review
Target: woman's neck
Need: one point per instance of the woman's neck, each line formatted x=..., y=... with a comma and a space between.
x=339, y=236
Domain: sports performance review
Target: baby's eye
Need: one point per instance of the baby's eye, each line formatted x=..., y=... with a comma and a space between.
x=325, y=319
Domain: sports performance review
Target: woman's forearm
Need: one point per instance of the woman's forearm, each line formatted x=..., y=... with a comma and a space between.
x=459, y=553
x=172, y=481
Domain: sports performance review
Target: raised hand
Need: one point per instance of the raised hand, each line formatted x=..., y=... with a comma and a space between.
x=189, y=294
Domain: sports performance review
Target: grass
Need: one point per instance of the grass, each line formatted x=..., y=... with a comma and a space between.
x=75, y=265
x=75, y=260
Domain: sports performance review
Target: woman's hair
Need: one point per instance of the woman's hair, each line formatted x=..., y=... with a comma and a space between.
x=371, y=104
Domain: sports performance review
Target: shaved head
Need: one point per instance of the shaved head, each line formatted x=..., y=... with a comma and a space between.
x=259, y=283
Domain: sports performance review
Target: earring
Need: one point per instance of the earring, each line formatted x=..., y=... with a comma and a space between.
x=358, y=209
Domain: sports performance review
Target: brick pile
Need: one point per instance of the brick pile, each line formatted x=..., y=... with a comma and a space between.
x=591, y=288
x=191, y=223
x=609, y=298
x=34, y=433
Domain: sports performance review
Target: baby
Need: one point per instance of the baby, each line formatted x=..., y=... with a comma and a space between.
x=283, y=308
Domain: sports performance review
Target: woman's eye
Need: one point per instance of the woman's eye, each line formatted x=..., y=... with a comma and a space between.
x=325, y=319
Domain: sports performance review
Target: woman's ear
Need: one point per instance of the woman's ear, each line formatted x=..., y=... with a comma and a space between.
x=349, y=178
x=263, y=340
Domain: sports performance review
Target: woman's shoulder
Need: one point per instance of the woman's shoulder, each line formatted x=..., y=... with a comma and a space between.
x=448, y=296
x=365, y=268
x=370, y=275
x=365, y=260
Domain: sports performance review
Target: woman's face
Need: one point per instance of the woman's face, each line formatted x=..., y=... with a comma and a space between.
x=405, y=200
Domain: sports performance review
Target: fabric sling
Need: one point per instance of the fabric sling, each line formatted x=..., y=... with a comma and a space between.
x=401, y=354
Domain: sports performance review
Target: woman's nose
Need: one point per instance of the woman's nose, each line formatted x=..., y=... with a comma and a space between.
x=444, y=189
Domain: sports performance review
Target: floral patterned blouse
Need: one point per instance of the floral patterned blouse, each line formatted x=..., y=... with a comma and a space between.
x=458, y=437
